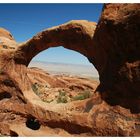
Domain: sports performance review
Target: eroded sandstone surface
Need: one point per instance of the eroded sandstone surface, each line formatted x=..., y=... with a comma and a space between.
x=112, y=107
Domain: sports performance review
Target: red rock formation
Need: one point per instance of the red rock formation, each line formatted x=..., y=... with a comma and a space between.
x=118, y=34
x=6, y=34
x=112, y=47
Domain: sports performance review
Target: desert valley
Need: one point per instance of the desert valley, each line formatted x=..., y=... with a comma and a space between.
x=87, y=71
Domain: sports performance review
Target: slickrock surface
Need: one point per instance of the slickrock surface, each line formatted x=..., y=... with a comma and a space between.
x=44, y=105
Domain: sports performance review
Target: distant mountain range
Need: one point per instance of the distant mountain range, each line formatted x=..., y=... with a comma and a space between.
x=68, y=69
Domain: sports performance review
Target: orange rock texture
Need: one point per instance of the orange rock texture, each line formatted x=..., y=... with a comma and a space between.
x=113, y=109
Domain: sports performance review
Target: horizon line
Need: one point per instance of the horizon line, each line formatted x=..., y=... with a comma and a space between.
x=61, y=63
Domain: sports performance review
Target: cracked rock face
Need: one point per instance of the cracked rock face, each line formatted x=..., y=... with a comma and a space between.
x=112, y=46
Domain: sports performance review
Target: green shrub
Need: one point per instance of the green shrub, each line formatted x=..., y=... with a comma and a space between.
x=83, y=95
x=62, y=93
x=78, y=97
x=62, y=97
x=48, y=101
x=35, y=89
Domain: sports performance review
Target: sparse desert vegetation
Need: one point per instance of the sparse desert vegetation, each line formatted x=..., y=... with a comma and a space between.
x=82, y=95
x=72, y=92
x=62, y=97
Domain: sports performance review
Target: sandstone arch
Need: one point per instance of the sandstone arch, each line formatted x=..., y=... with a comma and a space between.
x=112, y=47
x=76, y=35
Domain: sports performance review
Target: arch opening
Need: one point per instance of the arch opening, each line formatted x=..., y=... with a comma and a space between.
x=66, y=73
x=48, y=58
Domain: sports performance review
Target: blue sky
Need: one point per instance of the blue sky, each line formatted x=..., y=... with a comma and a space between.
x=25, y=20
